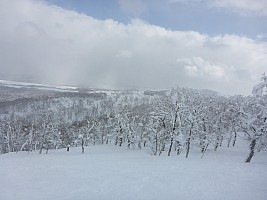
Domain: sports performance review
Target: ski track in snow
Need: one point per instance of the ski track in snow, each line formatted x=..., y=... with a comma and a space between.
x=110, y=172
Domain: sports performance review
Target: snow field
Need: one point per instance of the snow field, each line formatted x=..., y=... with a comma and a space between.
x=108, y=172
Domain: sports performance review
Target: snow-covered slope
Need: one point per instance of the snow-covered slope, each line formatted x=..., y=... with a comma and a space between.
x=113, y=173
x=15, y=84
x=59, y=88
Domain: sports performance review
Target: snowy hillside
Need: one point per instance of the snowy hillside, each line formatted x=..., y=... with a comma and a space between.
x=109, y=172
x=176, y=144
x=12, y=90
x=15, y=84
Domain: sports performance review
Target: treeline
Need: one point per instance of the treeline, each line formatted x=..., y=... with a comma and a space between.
x=171, y=121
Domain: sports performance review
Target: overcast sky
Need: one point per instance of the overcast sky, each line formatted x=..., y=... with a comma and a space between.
x=136, y=44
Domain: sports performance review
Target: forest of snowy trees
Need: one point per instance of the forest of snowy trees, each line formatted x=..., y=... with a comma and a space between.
x=170, y=122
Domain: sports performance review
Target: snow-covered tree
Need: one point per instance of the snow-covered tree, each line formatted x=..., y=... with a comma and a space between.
x=255, y=126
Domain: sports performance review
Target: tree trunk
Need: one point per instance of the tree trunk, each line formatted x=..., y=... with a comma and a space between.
x=252, y=149
x=173, y=129
x=139, y=144
x=234, y=139
x=203, y=143
x=116, y=140
x=202, y=148
x=229, y=139
x=178, y=148
x=205, y=149
x=221, y=140
x=156, y=149
x=188, y=144
x=82, y=145
x=163, y=146
x=102, y=139
x=129, y=144
x=35, y=146
x=8, y=144
x=217, y=143
x=170, y=149
x=41, y=149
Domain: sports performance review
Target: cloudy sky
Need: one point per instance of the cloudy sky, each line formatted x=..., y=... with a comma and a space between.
x=135, y=44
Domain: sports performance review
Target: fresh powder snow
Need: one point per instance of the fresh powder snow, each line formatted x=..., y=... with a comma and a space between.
x=114, y=173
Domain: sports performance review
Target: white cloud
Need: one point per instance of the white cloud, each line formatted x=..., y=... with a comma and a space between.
x=125, y=54
x=197, y=66
x=63, y=47
x=243, y=7
x=262, y=36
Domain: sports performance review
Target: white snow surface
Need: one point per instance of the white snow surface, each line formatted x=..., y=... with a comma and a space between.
x=108, y=172
x=16, y=84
